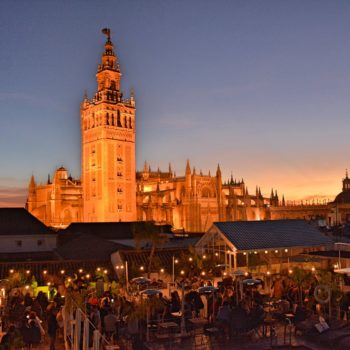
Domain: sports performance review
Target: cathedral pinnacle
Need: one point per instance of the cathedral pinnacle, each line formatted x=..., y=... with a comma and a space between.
x=188, y=168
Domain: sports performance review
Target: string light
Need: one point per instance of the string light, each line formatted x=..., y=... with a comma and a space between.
x=266, y=251
x=290, y=271
x=245, y=273
x=268, y=272
x=141, y=268
x=182, y=272
x=313, y=269
x=88, y=276
x=122, y=267
x=12, y=271
x=117, y=267
x=225, y=273
x=69, y=280
x=80, y=270
x=190, y=259
x=255, y=252
x=286, y=250
x=161, y=270
x=244, y=253
x=176, y=261
x=62, y=272
x=276, y=251
x=49, y=283
x=27, y=287
x=203, y=273
x=45, y=272
x=105, y=271
x=28, y=272
x=216, y=254
x=98, y=269
x=204, y=256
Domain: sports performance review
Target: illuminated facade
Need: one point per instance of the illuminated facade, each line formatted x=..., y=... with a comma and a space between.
x=58, y=202
x=110, y=189
x=108, y=147
x=194, y=201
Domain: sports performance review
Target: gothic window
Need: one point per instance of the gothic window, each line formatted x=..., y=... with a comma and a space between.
x=119, y=124
x=113, y=85
x=130, y=126
x=107, y=119
x=206, y=192
x=125, y=122
x=119, y=174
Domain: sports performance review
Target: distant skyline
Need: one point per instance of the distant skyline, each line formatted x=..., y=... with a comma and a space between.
x=261, y=87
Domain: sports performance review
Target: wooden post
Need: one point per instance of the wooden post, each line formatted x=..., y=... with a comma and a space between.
x=86, y=334
x=77, y=329
x=96, y=341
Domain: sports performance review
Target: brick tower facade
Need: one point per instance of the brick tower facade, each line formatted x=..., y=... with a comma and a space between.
x=108, y=146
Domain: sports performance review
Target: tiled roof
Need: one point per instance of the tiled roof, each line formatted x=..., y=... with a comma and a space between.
x=110, y=230
x=332, y=254
x=18, y=221
x=250, y=235
x=88, y=247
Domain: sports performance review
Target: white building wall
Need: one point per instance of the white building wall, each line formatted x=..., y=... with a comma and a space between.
x=27, y=243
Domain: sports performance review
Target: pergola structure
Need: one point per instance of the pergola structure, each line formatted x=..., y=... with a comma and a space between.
x=270, y=241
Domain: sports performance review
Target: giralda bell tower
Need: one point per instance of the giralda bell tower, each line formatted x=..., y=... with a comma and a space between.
x=108, y=146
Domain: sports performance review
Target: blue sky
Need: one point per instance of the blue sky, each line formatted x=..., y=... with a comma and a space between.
x=261, y=87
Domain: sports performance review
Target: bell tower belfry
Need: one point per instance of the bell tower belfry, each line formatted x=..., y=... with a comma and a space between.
x=108, y=146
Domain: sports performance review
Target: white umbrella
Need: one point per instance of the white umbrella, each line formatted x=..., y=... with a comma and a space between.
x=251, y=282
x=140, y=280
x=238, y=273
x=207, y=289
x=150, y=292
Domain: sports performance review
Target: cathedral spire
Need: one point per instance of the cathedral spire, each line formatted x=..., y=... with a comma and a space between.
x=188, y=167
x=32, y=183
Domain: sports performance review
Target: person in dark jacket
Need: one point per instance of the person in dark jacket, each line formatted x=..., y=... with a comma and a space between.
x=52, y=326
x=31, y=334
x=12, y=339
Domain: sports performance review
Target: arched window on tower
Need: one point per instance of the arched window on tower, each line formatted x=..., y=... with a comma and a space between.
x=107, y=119
x=125, y=122
x=130, y=125
x=119, y=124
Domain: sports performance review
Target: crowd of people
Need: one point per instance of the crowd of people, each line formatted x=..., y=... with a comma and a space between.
x=232, y=307
x=29, y=319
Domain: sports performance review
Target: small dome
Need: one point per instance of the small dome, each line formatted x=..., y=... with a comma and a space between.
x=342, y=197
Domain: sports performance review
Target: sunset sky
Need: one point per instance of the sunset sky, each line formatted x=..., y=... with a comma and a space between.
x=261, y=87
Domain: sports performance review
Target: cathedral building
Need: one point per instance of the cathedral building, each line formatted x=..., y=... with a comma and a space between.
x=194, y=201
x=111, y=190
x=58, y=202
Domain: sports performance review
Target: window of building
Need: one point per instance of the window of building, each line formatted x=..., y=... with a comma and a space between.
x=19, y=243
x=40, y=242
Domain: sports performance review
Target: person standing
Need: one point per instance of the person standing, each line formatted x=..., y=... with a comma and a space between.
x=52, y=326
